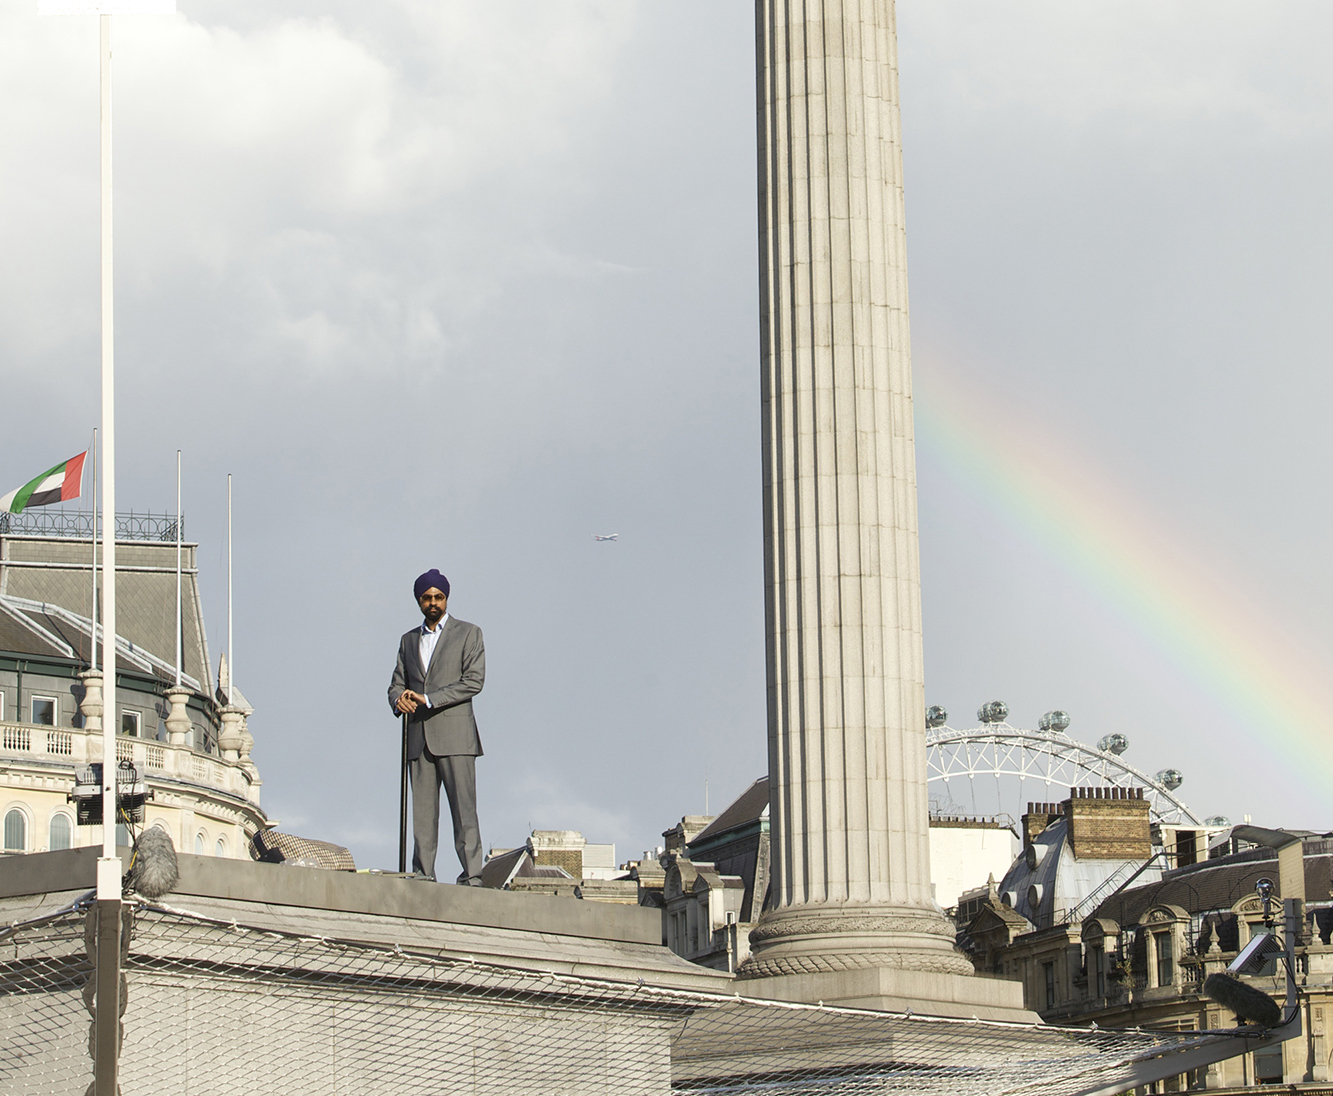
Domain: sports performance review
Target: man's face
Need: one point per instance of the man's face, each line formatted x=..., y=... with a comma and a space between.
x=433, y=603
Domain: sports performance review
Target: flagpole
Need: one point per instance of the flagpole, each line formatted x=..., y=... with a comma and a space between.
x=178, y=568
x=93, y=640
x=231, y=650
x=108, y=866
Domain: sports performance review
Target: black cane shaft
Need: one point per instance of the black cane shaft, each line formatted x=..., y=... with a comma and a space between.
x=402, y=807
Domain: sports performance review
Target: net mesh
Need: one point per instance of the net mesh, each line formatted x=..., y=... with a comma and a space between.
x=214, y=1007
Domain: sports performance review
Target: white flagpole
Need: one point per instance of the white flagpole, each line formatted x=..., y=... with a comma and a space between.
x=178, y=568
x=231, y=650
x=108, y=868
x=93, y=640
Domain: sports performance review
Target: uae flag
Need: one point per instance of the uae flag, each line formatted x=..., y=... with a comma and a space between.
x=60, y=484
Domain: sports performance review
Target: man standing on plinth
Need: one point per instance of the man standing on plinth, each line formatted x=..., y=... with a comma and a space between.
x=441, y=667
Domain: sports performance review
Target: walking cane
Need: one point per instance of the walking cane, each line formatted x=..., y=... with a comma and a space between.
x=402, y=807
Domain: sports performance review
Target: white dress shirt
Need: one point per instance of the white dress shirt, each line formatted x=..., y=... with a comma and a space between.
x=428, y=641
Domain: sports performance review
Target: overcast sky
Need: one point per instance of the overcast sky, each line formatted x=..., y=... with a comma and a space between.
x=459, y=284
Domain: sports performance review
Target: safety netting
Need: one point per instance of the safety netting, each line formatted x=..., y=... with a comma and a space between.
x=214, y=1007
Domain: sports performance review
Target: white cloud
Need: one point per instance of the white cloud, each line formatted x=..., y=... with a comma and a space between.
x=1144, y=61
x=291, y=153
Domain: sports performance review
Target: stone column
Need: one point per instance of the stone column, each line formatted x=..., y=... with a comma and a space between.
x=90, y=707
x=179, y=727
x=846, y=700
x=229, y=735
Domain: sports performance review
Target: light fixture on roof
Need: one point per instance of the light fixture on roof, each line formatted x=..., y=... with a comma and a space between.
x=1170, y=779
x=1113, y=743
x=936, y=716
x=131, y=794
x=994, y=711
x=1054, y=721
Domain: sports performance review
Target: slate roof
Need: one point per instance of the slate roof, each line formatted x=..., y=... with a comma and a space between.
x=54, y=572
x=1219, y=884
x=18, y=635
x=499, y=871
x=751, y=806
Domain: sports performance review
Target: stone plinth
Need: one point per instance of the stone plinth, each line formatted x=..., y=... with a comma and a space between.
x=529, y=932
x=352, y=984
x=924, y=993
x=846, y=697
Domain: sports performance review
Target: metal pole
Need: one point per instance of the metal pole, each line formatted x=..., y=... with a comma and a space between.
x=108, y=879
x=93, y=660
x=178, y=568
x=106, y=1026
x=231, y=650
x=106, y=1034
x=1293, y=910
x=402, y=807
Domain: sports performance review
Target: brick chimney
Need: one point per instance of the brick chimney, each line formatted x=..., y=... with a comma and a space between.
x=1108, y=823
x=1038, y=817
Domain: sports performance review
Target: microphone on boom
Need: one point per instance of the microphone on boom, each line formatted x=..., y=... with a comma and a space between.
x=1247, y=1002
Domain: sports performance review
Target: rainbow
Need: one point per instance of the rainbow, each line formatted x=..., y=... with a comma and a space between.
x=1167, y=591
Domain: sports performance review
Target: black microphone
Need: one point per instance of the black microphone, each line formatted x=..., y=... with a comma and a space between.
x=1245, y=1001
x=153, y=871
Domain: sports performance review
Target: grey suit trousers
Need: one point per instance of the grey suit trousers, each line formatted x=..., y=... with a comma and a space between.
x=458, y=774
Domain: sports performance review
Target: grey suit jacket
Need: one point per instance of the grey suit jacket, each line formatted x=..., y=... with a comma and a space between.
x=455, y=675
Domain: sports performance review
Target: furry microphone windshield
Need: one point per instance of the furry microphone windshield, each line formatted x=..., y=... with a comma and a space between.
x=1245, y=1001
x=154, y=871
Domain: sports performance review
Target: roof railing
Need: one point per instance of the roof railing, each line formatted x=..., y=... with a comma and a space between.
x=78, y=525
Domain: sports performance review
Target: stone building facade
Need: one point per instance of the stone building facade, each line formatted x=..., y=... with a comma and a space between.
x=1139, y=953
x=188, y=742
x=715, y=877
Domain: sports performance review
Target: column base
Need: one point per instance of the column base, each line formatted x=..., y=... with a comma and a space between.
x=890, y=958
x=824, y=939
x=925, y=993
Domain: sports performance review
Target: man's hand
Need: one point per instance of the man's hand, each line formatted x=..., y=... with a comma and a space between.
x=409, y=702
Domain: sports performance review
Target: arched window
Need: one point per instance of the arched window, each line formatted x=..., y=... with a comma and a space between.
x=199, y=844
x=221, y=847
x=61, y=832
x=16, y=831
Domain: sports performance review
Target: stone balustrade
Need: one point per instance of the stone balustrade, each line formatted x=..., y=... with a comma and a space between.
x=155, y=760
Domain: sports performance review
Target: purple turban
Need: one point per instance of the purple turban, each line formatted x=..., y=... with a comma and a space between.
x=429, y=579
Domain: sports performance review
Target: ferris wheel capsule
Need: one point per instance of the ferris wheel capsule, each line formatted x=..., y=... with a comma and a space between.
x=1054, y=721
x=1170, y=779
x=994, y=711
x=936, y=716
x=1113, y=743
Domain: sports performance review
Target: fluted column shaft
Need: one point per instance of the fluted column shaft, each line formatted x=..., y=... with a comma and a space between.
x=846, y=698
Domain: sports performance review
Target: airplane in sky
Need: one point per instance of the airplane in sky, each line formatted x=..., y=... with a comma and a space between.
x=606, y=536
